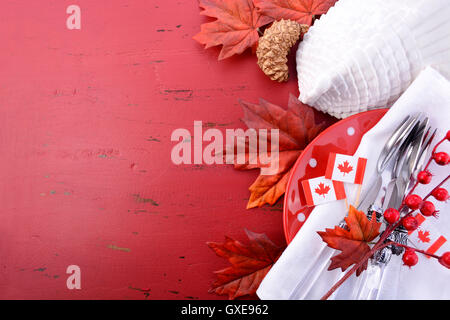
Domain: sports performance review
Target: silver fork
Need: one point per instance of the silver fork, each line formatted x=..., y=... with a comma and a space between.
x=409, y=163
x=367, y=285
x=364, y=285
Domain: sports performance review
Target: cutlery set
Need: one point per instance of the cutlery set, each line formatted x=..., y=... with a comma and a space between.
x=403, y=154
x=410, y=146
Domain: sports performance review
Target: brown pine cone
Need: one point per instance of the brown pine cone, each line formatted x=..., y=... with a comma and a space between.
x=274, y=46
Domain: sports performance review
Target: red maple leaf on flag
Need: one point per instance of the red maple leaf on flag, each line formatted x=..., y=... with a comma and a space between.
x=424, y=236
x=322, y=189
x=345, y=167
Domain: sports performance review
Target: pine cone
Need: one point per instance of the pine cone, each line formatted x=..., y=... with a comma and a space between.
x=274, y=46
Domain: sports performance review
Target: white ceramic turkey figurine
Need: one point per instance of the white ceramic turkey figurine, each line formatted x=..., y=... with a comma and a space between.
x=363, y=54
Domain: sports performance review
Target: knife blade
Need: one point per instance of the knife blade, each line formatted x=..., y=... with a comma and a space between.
x=394, y=187
x=371, y=195
x=390, y=195
x=416, y=154
x=401, y=190
x=391, y=202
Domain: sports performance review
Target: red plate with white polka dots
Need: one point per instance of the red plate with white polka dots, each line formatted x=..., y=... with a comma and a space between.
x=343, y=137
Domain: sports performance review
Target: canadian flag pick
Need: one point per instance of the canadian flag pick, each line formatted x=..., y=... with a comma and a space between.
x=345, y=168
x=427, y=238
x=320, y=190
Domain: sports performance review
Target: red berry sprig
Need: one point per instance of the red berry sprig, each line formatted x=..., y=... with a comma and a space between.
x=415, y=202
x=408, y=221
x=441, y=158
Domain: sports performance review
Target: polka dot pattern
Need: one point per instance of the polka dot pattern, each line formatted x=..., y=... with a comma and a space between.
x=301, y=217
x=351, y=131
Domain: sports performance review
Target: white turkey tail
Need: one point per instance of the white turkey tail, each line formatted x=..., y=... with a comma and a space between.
x=363, y=55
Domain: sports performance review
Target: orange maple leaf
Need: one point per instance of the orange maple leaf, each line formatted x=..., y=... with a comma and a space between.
x=424, y=236
x=352, y=242
x=249, y=264
x=322, y=190
x=301, y=11
x=236, y=27
x=345, y=167
x=298, y=126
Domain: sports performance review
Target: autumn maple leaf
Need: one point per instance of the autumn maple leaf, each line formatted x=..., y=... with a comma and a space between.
x=353, y=242
x=236, y=27
x=301, y=11
x=298, y=126
x=322, y=190
x=249, y=264
x=345, y=167
x=424, y=236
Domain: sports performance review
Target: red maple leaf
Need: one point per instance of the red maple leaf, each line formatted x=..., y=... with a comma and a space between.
x=345, y=167
x=352, y=242
x=424, y=236
x=249, y=264
x=301, y=11
x=298, y=125
x=322, y=190
x=236, y=27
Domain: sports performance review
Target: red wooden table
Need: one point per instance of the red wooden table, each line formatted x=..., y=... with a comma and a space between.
x=86, y=177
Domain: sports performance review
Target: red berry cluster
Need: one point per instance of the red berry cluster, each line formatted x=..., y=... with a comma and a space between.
x=441, y=158
x=415, y=202
x=427, y=208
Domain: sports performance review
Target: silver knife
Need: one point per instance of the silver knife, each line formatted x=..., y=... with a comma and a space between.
x=371, y=195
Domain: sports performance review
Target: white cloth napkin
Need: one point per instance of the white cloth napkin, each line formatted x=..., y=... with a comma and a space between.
x=429, y=93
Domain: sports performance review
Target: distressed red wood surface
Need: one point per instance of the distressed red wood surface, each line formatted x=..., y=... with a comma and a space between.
x=86, y=177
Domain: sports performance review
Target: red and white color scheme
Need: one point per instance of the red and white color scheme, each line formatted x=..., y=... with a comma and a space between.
x=312, y=164
x=427, y=237
x=345, y=168
x=321, y=190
